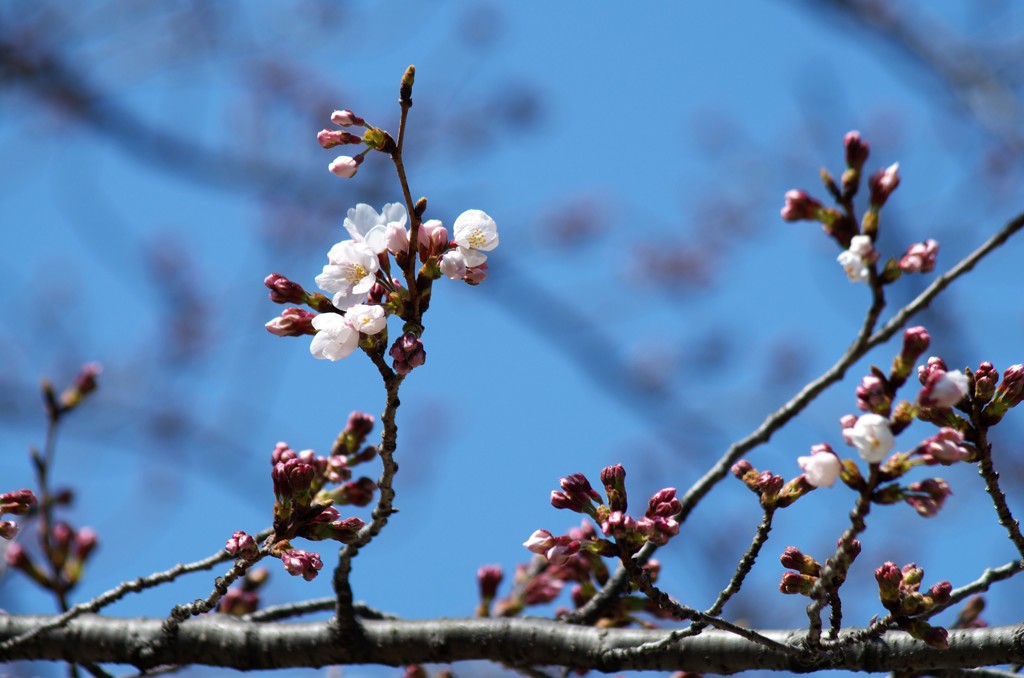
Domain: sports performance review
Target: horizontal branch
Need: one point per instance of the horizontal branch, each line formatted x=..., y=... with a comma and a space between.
x=218, y=640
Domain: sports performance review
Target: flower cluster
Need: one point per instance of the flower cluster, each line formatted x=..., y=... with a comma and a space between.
x=979, y=395
x=657, y=525
x=307, y=487
x=899, y=591
x=364, y=294
x=577, y=563
x=773, y=490
x=577, y=555
x=358, y=274
x=859, y=255
x=806, y=571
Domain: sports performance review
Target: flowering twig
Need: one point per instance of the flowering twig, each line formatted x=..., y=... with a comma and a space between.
x=115, y=594
x=591, y=611
x=834, y=571
x=665, y=602
x=991, y=477
x=988, y=577
x=735, y=583
x=385, y=502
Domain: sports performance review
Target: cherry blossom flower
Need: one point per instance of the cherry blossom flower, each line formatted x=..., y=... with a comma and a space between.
x=366, y=226
x=338, y=336
x=366, y=319
x=453, y=265
x=821, y=467
x=335, y=338
x=475, y=233
x=855, y=259
x=871, y=436
x=350, y=273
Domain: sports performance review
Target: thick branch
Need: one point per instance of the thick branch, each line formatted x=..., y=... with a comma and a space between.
x=222, y=641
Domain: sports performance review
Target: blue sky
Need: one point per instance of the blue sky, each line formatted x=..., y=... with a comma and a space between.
x=668, y=127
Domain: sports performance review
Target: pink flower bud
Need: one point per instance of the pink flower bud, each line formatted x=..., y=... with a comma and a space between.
x=539, y=542
x=8, y=529
x=293, y=322
x=943, y=448
x=18, y=502
x=85, y=543
x=800, y=206
x=346, y=118
x=283, y=290
x=345, y=166
x=329, y=138
x=920, y=257
x=397, y=239
x=882, y=183
x=302, y=563
x=475, y=274
x=856, y=150
x=242, y=545
x=489, y=577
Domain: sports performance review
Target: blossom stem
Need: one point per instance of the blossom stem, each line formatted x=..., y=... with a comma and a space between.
x=344, y=602
x=742, y=570
x=991, y=477
x=833, y=574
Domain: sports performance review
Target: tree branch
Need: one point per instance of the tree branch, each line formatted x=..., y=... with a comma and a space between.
x=218, y=640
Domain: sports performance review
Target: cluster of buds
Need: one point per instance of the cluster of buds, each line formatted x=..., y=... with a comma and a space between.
x=374, y=139
x=18, y=503
x=244, y=598
x=900, y=593
x=859, y=255
x=925, y=496
x=772, y=490
x=576, y=562
x=81, y=386
x=307, y=487
x=67, y=551
x=1009, y=393
x=657, y=525
x=806, y=570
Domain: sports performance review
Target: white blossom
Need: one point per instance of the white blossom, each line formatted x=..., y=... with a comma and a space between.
x=335, y=338
x=853, y=260
x=367, y=319
x=350, y=273
x=947, y=389
x=366, y=226
x=475, y=233
x=821, y=468
x=453, y=265
x=871, y=436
